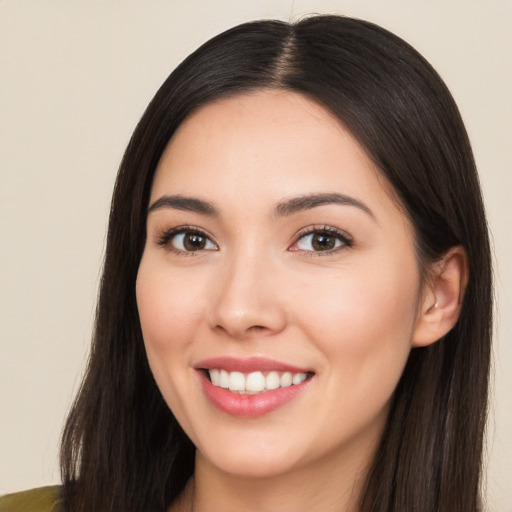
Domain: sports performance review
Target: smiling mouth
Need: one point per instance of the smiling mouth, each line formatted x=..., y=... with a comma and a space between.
x=254, y=382
x=251, y=387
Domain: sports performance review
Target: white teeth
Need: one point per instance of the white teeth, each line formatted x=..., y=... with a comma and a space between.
x=286, y=379
x=298, y=378
x=236, y=381
x=254, y=382
x=224, y=379
x=215, y=377
x=272, y=381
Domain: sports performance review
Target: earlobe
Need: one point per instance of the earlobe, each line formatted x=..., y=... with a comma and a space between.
x=442, y=300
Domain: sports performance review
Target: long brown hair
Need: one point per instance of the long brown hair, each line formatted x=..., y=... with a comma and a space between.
x=122, y=448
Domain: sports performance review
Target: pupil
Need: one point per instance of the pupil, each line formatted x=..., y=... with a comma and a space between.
x=323, y=242
x=194, y=242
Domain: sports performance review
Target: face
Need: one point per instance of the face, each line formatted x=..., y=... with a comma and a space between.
x=279, y=287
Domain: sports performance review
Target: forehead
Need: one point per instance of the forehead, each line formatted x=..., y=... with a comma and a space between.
x=261, y=147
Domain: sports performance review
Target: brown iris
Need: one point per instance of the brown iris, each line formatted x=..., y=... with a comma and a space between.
x=194, y=242
x=323, y=242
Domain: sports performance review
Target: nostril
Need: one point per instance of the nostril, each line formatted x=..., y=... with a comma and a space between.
x=256, y=329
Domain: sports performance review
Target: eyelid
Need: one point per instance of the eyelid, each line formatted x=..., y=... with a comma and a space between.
x=164, y=237
x=330, y=230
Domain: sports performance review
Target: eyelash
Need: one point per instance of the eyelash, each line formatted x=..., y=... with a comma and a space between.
x=166, y=237
x=329, y=231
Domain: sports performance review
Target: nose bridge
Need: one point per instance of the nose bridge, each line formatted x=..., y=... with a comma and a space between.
x=246, y=302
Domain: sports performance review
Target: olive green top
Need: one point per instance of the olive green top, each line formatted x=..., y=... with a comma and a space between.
x=43, y=499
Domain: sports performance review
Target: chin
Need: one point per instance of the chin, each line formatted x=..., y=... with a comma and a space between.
x=262, y=459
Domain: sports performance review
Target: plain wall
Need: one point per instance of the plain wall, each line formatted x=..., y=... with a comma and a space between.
x=75, y=77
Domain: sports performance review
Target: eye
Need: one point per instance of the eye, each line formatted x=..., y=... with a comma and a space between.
x=186, y=239
x=325, y=240
x=191, y=241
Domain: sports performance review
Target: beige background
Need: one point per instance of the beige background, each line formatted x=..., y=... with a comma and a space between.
x=75, y=77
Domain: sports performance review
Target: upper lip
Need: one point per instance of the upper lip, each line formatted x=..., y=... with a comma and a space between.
x=247, y=365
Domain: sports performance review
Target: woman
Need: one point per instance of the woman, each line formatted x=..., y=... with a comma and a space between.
x=296, y=300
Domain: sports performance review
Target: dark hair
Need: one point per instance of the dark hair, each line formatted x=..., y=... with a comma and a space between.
x=122, y=448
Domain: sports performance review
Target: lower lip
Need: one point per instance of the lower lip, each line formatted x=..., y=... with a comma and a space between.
x=250, y=406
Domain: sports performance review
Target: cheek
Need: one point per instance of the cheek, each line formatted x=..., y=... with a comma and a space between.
x=168, y=306
x=362, y=320
x=169, y=314
x=362, y=323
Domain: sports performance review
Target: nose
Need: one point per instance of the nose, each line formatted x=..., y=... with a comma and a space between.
x=247, y=299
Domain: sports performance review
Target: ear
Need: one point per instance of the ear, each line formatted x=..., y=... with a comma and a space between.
x=442, y=298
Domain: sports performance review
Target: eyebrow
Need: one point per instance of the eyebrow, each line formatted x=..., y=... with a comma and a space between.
x=283, y=209
x=188, y=204
x=302, y=203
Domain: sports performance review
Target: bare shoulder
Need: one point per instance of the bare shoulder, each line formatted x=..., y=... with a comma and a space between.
x=42, y=499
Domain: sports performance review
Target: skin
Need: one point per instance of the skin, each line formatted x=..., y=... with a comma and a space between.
x=350, y=315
